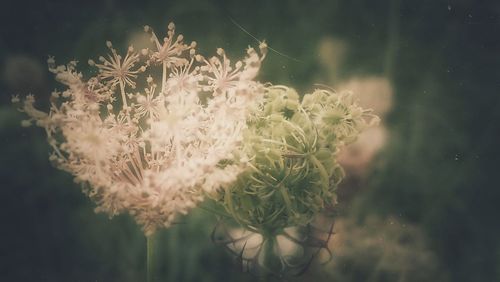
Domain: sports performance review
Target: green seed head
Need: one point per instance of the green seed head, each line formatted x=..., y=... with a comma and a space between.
x=293, y=172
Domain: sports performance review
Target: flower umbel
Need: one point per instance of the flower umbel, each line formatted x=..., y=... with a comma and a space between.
x=151, y=153
x=291, y=177
x=293, y=171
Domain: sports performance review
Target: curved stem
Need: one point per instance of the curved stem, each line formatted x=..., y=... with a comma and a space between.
x=325, y=179
x=150, y=257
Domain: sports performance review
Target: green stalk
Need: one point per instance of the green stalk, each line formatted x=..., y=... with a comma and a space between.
x=150, y=257
x=325, y=179
x=269, y=258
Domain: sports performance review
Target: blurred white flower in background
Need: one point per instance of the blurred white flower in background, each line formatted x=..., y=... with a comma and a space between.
x=381, y=249
x=370, y=91
x=331, y=55
x=376, y=93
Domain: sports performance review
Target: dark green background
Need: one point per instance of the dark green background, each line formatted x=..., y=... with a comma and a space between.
x=439, y=171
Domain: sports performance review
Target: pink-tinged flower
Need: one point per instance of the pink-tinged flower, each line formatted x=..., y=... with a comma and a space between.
x=153, y=153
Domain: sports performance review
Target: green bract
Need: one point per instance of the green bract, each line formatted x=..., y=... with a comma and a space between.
x=292, y=145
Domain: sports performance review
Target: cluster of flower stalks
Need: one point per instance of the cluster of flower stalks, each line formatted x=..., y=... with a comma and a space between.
x=156, y=131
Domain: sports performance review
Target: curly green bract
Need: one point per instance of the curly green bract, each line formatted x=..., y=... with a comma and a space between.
x=292, y=145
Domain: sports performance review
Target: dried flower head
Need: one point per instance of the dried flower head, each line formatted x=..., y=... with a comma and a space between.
x=293, y=171
x=152, y=153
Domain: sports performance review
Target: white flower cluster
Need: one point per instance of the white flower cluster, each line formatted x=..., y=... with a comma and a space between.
x=151, y=153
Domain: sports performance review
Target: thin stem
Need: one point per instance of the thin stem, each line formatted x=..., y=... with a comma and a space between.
x=150, y=258
x=124, y=98
x=269, y=259
x=124, y=95
x=164, y=78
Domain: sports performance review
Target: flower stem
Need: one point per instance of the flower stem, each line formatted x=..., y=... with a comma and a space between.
x=267, y=259
x=150, y=257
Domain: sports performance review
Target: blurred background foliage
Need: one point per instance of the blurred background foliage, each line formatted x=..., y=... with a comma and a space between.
x=419, y=203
